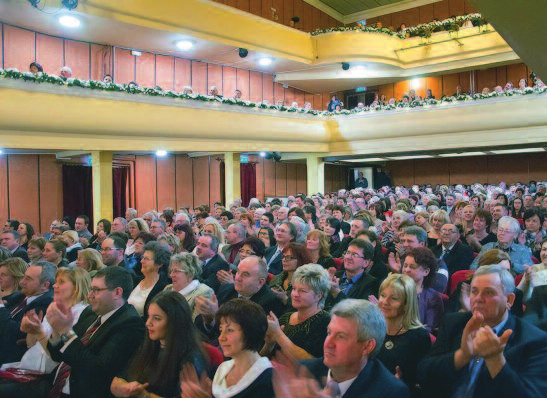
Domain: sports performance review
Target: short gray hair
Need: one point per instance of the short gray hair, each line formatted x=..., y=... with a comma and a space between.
x=368, y=319
x=507, y=280
x=48, y=272
x=241, y=233
x=316, y=278
x=510, y=222
x=416, y=231
x=187, y=262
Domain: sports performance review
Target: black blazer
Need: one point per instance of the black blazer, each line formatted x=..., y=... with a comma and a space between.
x=365, y=286
x=459, y=258
x=276, y=266
x=374, y=381
x=21, y=253
x=10, y=333
x=94, y=366
x=522, y=376
x=209, y=271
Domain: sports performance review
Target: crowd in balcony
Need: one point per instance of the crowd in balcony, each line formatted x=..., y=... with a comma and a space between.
x=415, y=291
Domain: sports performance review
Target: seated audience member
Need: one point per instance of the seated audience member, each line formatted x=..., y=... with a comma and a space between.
x=338, y=213
x=421, y=265
x=533, y=232
x=158, y=227
x=300, y=335
x=26, y=233
x=437, y=220
x=155, y=264
x=171, y=241
x=134, y=227
x=243, y=326
x=35, y=249
x=225, y=217
x=486, y=352
x=354, y=280
x=479, y=235
x=429, y=94
x=498, y=210
x=508, y=231
x=407, y=341
x=12, y=271
x=54, y=252
x=104, y=228
x=36, y=286
x=357, y=224
x=35, y=68
x=378, y=269
x=120, y=225
x=252, y=246
x=517, y=209
x=133, y=261
x=107, y=79
x=207, y=252
x=73, y=245
x=333, y=232
x=10, y=240
x=349, y=366
x=156, y=368
x=11, y=225
x=318, y=249
x=454, y=254
x=186, y=237
x=81, y=227
x=100, y=344
x=235, y=238
x=65, y=72
x=285, y=233
x=535, y=275
x=90, y=260
x=184, y=271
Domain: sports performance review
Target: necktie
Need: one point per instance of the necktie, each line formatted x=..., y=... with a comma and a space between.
x=277, y=252
x=64, y=369
x=333, y=389
x=445, y=252
x=344, y=284
x=20, y=308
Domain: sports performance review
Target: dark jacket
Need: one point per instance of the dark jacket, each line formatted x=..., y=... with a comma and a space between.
x=365, y=286
x=209, y=271
x=276, y=266
x=459, y=258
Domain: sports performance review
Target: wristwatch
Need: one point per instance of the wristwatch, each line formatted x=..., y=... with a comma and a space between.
x=67, y=336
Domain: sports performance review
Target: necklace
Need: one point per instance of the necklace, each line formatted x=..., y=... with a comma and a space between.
x=389, y=343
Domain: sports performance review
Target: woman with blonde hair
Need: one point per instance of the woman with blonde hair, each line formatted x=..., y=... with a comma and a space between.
x=134, y=227
x=407, y=341
x=170, y=240
x=12, y=270
x=73, y=245
x=437, y=220
x=318, y=248
x=90, y=260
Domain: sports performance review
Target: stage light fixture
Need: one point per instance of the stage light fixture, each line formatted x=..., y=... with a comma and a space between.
x=70, y=4
x=243, y=52
x=345, y=65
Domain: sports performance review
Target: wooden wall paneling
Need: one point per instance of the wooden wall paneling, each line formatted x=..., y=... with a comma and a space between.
x=397, y=18
x=166, y=182
x=183, y=74
x=260, y=179
x=324, y=21
x=421, y=86
x=23, y=196
x=184, y=181
x=469, y=8
x=486, y=78
x=1, y=46
x=426, y=13
x=124, y=66
x=450, y=82
x=401, y=88
x=50, y=191
x=165, y=68
x=465, y=81
x=244, y=6
x=289, y=96
x=316, y=19
x=507, y=168
x=231, y=3
x=308, y=97
x=515, y=72
x=298, y=11
x=441, y=10
x=199, y=78
x=328, y=178
x=4, y=189
x=77, y=57
x=537, y=166
x=229, y=81
x=300, y=97
x=145, y=70
x=214, y=78
x=431, y=171
x=279, y=93
x=317, y=102
x=214, y=181
x=50, y=53
x=468, y=170
x=268, y=88
x=278, y=5
x=291, y=178
x=255, y=7
x=306, y=19
x=402, y=172
x=288, y=11
x=243, y=82
x=456, y=7
x=269, y=178
x=302, y=178
x=386, y=89
x=256, y=87
x=435, y=84
x=201, y=180
x=386, y=20
x=412, y=17
x=372, y=21
x=19, y=48
x=267, y=9
x=145, y=183
x=281, y=179
x=101, y=62
x=501, y=75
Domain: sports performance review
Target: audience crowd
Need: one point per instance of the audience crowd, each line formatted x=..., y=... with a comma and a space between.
x=394, y=292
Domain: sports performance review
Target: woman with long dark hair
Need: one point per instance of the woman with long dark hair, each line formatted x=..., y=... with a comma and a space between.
x=26, y=233
x=186, y=236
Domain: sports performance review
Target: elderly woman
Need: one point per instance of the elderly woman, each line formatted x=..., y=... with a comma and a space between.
x=390, y=231
x=300, y=335
x=155, y=262
x=12, y=270
x=73, y=245
x=170, y=240
x=407, y=341
x=90, y=260
x=135, y=226
x=437, y=220
x=184, y=271
x=35, y=248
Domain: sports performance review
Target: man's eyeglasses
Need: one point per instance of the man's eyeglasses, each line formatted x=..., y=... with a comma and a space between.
x=353, y=255
x=288, y=258
x=108, y=249
x=96, y=290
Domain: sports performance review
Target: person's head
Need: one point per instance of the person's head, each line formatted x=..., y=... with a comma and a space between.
x=295, y=255
x=449, y=235
x=110, y=289
x=528, y=201
x=398, y=300
x=317, y=240
x=450, y=199
x=35, y=67
x=65, y=72
x=311, y=285
x=81, y=223
x=358, y=258
x=356, y=225
x=499, y=210
x=54, y=250
x=235, y=233
x=71, y=286
x=89, y=260
x=251, y=275
x=225, y=217
x=266, y=220
x=136, y=226
x=112, y=250
x=482, y=220
x=508, y=230
x=158, y=227
x=399, y=217
x=12, y=270
x=282, y=213
x=438, y=219
x=11, y=225
x=10, y=239
x=491, y=293
x=38, y=279
x=267, y=235
x=183, y=269
x=105, y=226
x=186, y=236
x=243, y=325
x=285, y=233
x=413, y=236
x=70, y=237
x=156, y=257
x=119, y=225
x=332, y=226
x=468, y=213
x=355, y=334
x=207, y=247
x=25, y=231
x=533, y=219
x=495, y=256
x=421, y=265
x=142, y=239
x=107, y=79
x=252, y=246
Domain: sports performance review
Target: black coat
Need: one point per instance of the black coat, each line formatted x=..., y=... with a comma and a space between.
x=459, y=258
x=209, y=272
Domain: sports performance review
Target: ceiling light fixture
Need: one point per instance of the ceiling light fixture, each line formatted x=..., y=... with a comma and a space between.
x=454, y=155
x=521, y=150
x=265, y=61
x=161, y=153
x=185, y=45
x=364, y=160
x=69, y=21
x=409, y=157
x=262, y=154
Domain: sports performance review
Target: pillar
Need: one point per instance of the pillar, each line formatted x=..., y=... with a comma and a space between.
x=232, y=177
x=101, y=162
x=316, y=174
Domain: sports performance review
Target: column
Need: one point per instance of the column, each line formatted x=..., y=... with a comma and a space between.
x=232, y=177
x=101, y=162
x=316, y=174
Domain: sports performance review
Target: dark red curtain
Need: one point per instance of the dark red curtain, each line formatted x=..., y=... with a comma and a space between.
x=247, y=174
x=78, y=191
x=119, y=190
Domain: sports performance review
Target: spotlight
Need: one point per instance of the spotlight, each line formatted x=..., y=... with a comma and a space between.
x=70, y=4
x=265, y=61
x=345, y=66
x=262, y=154
x=243, y=52
x=273, y=155
x=184, y=45
x=161, y=153
x=69, y=21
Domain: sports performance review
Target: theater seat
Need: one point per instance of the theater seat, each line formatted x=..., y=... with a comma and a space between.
x=270, y=276
x=216, y=357
x=457, y=277
x=338, y=263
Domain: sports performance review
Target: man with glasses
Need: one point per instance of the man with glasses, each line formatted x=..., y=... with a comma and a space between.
x=355, y=281
x=455, y=255
x=235, y=237
x=101, y=343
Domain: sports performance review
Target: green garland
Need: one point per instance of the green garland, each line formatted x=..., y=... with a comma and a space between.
x=422, y=30
x=39, y=78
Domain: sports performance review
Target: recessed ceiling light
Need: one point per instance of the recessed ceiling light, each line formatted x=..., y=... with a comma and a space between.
x=410, y=157
x=455, y=155
x=263, y=154
x=365, y=160
x=522, y=150
x=161, y=153
x=69, y=21
x=185, y=45
x=265, y=61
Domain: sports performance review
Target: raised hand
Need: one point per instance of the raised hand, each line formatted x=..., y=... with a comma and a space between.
x=225, y=277
x=207, y=307
x=394, y=263
x=32, y=322
x=59, y=317
x=193, y=387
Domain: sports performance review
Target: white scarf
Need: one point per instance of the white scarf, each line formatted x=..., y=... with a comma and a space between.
x=221, y=390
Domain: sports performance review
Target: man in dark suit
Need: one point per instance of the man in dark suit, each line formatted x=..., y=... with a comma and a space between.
x=455, y=255
x=36, y=285
x=10, y=240
x=207, y=251
x=102, y=341
x=338, y=213
x=284, y=234
x=356, y=333
x=355, y=281
x=488, y=352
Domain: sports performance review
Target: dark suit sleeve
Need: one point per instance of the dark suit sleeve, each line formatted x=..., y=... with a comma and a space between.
x=219, y=264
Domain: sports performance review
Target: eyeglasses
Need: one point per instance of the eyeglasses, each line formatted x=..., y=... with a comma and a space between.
x=505, y=230
x=177, y=271
x=353, y=255
x=108, y=249
x=95, y=290
x=247, y=252
x=288, y=258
